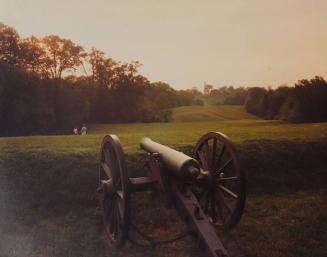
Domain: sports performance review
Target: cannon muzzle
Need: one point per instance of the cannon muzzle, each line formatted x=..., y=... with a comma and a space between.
x=176, y=161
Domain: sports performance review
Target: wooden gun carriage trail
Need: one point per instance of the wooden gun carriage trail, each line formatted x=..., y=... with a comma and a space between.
x=207, y=189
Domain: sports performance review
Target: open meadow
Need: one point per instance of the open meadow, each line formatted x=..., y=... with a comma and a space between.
x=50, y=206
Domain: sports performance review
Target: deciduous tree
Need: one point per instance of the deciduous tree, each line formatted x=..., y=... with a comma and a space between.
x=61, y=55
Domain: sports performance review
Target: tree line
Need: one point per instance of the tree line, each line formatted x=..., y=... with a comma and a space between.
x=229, y=95
x=51, y=84
x=305, y=102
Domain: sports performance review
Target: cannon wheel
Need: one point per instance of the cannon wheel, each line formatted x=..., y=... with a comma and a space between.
x=115, y=198
x=221, y=191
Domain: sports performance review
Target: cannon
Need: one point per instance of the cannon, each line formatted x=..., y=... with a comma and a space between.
x=208, y=189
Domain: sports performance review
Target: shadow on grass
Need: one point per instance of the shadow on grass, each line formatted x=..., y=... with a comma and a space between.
x=49, y=205
x=281, y=167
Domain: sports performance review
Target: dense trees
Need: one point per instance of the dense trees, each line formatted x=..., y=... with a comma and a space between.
x=306, y=102
x=225, y=95
x=255, y=99
x=28, y=104
x=61, y=55
x=41, y=92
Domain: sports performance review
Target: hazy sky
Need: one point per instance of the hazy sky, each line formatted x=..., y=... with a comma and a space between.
x=185, y=43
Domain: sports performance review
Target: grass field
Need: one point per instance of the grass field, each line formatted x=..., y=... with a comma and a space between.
x=173, y=134
x=49, y=207
x=210, y=113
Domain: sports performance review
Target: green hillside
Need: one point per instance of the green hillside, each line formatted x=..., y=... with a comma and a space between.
x=210, y=112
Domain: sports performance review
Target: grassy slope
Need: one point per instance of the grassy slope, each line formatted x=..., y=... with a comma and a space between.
x=210, y=112
x=49, y=205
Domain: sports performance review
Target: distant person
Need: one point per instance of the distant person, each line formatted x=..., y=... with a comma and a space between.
x=75, y=131
x=83, y=130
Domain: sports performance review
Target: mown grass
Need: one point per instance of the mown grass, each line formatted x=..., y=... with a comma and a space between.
x=173, y=134
x=49, y=207
x=210, y=113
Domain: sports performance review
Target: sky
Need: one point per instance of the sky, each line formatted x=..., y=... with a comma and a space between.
x=186, y=42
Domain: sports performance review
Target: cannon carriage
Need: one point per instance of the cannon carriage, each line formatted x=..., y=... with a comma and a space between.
x=208, y=188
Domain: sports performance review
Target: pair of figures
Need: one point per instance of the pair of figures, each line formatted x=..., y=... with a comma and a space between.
x=83, y=130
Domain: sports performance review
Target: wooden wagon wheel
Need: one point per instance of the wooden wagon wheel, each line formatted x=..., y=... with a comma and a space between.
x=115, y=198
x=221, y=191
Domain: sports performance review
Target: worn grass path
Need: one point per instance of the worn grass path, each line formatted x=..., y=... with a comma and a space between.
x=210, y=113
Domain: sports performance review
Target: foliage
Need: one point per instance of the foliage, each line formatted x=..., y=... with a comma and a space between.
x=32, y=105
x=9, y=45
x=223, y=95
x=306, y=102
x=60, y=55
x=41, y=92
x=255, y=100
x=236, y=96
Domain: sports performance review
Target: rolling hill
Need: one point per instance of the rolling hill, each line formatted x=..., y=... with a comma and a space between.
x=210, y=112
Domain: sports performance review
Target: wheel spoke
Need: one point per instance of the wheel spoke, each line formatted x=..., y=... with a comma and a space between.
x=220, y=211
x=220, y=157
x=107, y=204
x=213, y=156
x=107, y=155
x=201, y=195
x=120, y=203
x=120, y=207
x=120, y=194
x=118, y=221
x=119, y=214
x=227, y=179
x=213, y=209
x=112, y=218
x=224, y=166
x=118, y=183
x=229, y=209
x=206, y=205
x=203, y=160
x=206, y=151
x=227, y=191
x=106, y=169
x=107, y=185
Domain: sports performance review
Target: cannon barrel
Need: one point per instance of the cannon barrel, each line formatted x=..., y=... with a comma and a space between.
x=176, y=161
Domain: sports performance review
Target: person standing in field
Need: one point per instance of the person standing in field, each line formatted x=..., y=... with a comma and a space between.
x=83, y=130
x=75, y=131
